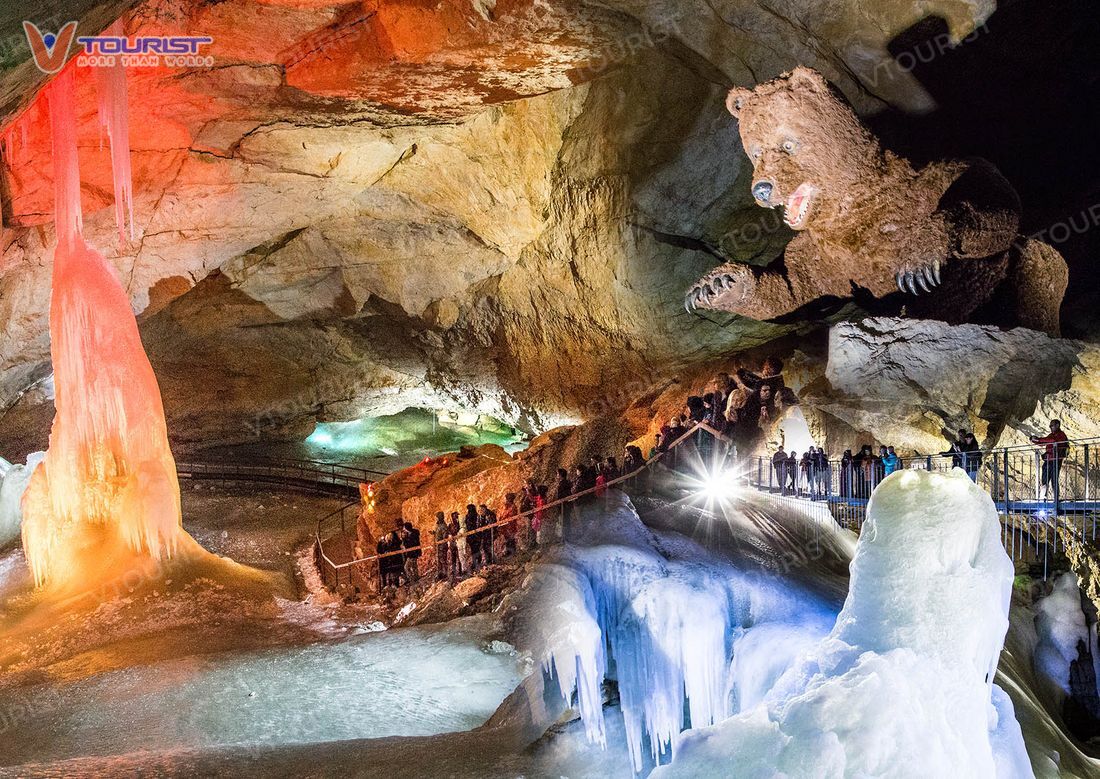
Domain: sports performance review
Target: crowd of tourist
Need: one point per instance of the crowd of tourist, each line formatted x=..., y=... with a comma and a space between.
x=465, y=542
x=810, y=473
x=397, y=568
x=856, y=475
x=731, y=404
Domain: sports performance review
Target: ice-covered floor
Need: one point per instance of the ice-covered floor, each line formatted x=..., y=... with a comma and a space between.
x=409, y=682
x=253, y=525
x=384, y=444
x=172, y=609
x=194, y=663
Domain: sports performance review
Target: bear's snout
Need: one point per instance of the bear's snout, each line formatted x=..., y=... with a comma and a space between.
x=762, y=191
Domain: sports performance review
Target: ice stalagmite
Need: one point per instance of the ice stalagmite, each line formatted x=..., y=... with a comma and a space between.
x=13, y=483
x=903, y=685
x=106, y=493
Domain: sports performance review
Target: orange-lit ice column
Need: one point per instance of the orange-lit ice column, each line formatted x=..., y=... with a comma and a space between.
x=107, y=492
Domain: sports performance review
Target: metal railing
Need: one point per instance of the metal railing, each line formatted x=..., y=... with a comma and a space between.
x=1044, y=504
x=1020, y=476
x=552, y=515
x=1045, y=501
x=310, y=475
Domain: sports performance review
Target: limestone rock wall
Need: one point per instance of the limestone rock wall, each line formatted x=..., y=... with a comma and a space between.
x=524, y=262
x=909, y=382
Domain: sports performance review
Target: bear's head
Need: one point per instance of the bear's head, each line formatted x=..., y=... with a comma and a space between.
x=810, y=153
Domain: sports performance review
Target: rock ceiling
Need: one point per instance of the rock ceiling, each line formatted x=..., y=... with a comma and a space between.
x=466, y=204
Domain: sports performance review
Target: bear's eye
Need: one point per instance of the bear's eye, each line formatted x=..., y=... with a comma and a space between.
x=790, y=146
x=755, y=152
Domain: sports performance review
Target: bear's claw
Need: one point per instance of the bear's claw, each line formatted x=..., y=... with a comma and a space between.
x=923, y=278
x=719, y=284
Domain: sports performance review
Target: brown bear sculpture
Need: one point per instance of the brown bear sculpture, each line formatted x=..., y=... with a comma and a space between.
x=940, y=242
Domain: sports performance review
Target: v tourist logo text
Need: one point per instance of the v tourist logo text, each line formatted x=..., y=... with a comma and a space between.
x=50, y=50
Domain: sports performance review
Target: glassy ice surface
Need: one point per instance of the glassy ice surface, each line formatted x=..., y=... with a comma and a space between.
x=385, y=443
x=413, y=431
x=1061, y=627
x=408, y=682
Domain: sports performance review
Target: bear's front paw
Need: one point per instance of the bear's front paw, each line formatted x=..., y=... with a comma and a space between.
x=724, y=289
x=914, y=277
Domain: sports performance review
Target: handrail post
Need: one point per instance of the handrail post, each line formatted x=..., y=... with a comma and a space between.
x=1057, y=485
x=996, y=480
x=1087, y=491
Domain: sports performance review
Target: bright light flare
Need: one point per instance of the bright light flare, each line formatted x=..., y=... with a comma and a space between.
x=719, y=487
x=714, y=483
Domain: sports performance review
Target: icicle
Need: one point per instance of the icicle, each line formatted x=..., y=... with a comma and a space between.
x=670, y=624
x=105, y=502
x=69, y=222
x=114, y=117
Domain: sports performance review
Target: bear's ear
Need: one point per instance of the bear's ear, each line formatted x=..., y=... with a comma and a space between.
x=735, y=99
x=807, y=78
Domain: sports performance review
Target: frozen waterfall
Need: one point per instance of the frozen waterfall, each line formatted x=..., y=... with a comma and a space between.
x=107, y=492
x=687, y=636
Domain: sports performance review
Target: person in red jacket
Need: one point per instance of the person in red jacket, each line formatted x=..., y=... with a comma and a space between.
x=601, y=483
x=1057, y=448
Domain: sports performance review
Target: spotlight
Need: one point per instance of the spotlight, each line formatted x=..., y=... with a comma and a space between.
x=719, y=486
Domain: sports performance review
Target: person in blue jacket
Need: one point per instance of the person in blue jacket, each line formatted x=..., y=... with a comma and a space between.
x=890, y=460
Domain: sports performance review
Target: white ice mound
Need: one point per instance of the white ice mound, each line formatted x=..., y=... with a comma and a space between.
x=903, y=686
x=13, y=483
